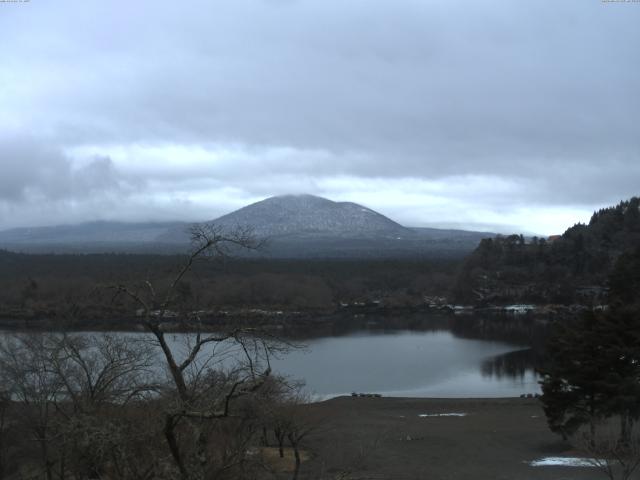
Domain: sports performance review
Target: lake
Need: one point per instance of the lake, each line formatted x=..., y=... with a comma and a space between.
x=459, y=359
x=410, y=364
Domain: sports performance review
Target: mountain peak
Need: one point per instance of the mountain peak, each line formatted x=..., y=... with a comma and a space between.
x=310, y=214
x=296, y=199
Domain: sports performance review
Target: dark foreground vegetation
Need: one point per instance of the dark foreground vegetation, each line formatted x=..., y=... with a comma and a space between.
x=110, y=407
x=591, y=377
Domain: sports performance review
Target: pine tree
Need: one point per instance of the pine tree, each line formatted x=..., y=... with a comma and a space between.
x=573, y=380
x=593, y=362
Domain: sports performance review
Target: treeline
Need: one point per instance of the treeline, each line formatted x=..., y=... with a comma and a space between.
x=64, y=285
x=572, y=268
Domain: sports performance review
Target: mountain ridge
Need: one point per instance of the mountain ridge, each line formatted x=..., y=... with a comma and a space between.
x=295, y=225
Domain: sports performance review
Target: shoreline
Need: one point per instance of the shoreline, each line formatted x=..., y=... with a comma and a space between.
x=277, y=320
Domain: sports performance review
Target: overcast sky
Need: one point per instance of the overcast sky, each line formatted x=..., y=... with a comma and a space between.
x=506, y=115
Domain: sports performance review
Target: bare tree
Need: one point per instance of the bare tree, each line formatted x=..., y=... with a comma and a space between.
x=71, y=390
x=102, y=376
x=5, y=401
x=290, y=418
x=213, y=370
x=26, y=374
x=102, y=369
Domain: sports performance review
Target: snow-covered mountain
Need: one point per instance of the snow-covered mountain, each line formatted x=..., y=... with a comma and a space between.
x=311, y=216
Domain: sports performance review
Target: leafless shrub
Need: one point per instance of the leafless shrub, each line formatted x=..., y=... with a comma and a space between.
x=616, y=458
x=70, y=392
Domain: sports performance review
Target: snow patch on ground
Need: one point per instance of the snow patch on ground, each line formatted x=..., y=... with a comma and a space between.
x=562, y=462
x=423, y=415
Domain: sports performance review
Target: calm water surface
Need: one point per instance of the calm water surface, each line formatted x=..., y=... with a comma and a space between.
x=410, y=363
x=426, y=363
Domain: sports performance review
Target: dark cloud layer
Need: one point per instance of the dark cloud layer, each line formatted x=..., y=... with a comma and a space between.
x=532, y=105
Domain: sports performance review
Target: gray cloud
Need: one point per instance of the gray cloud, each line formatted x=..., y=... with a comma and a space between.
x=31, y=170
x=280, y=96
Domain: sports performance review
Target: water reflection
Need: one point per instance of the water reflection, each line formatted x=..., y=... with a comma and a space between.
x=513, y=365
x=518, y=330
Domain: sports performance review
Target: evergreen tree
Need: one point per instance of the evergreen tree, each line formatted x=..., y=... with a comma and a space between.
x=593, y=362
x=619, y=333
x=624, y=282
x=573, y=380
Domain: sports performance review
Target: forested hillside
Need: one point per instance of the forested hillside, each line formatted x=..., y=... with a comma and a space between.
x=572, y=268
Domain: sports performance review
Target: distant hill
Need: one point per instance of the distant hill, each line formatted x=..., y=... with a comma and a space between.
x=91, y=237
x=295, y=226
x=571, y=268
x=298, y=214
x=306, y=226
x=99, y=232
x=306, y=215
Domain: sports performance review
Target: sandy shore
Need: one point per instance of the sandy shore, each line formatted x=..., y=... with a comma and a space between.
x=409, y=438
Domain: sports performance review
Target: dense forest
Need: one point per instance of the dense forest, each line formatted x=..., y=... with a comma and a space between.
x=62, y=286
x=571, y=268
